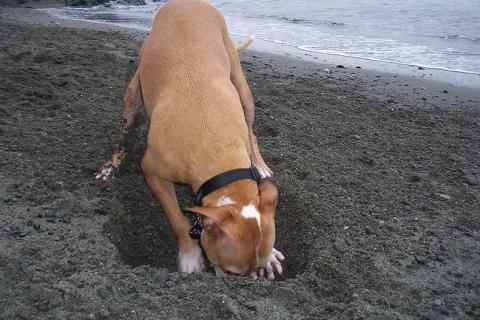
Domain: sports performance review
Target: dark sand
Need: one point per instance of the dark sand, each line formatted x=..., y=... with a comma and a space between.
x=375, y=216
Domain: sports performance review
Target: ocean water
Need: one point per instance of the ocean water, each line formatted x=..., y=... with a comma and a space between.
x=442, y=34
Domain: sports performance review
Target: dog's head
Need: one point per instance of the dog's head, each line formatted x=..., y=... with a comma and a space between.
x=240, y=242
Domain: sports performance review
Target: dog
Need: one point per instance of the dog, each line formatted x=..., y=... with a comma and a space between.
x=201, y=111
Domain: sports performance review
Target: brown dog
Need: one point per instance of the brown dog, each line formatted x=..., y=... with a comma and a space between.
x=201, y=116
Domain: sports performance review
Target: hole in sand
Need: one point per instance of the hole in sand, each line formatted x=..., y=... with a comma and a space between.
x=142, y=235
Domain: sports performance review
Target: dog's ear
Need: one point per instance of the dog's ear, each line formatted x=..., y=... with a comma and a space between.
x=215, y=216
x=268, y=198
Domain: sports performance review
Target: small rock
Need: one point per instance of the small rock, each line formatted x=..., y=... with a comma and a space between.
x=442, y=309
x=471, y=179
x=358, y=67
x=383, y=301
x=100, y=211
x=103, y=293
x=375, y=210
x=160, y=276
x=421, y=260
x=437, y=302
x=328, y=71
x=357, y=137
x=439, y=291
x=170, y=284
x=443, y=196
x=445, y=91
x=417, y=177
x=59, y=237
x=10, y=200
x=114, y=308
x=255, y=57
x=340, y=66
x=368, y=230
x=173, y=277
x=421, y=68
x=331, y=307
x=302, y=299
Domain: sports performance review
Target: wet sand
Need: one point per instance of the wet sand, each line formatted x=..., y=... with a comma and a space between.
x=378, y=213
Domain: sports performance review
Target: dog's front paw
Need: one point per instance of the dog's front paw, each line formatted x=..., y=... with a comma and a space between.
x=274, y=265
x=264, y=170
x=191, y=261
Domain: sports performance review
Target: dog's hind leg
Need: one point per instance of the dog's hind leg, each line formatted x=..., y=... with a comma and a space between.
x=132, y=100
x=246, y=99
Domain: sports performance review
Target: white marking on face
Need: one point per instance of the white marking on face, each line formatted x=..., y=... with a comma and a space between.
x=225, y=201
x=249, y=211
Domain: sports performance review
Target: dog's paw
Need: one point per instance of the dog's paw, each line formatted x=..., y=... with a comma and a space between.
x=265, y=171
x=274, y=265
x=106, y=171
x=191, y=261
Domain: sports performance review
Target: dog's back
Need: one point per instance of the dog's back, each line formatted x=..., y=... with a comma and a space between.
x=184, y=74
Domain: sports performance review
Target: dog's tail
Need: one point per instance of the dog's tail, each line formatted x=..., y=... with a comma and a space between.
x=241, y=47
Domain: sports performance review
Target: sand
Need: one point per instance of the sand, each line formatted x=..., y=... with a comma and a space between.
x=378, y=214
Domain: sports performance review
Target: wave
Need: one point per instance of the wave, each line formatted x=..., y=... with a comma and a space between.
x=457, y=37
x=303, y=21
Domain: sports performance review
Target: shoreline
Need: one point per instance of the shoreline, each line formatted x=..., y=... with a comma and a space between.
x=470, y=81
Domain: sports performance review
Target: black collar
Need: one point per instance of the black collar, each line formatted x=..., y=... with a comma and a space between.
x=216, y=183
x=225, y=178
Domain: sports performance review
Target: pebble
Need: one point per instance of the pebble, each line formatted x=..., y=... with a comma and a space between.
x=382, y=301
x=331, y=307
x=471, y=179
x=340, y=66
x=443, y=196
x=421, y=68
x=160, y=276
x=442, y=309
x=421, y=260
x=417, y=177
x=437, y=302
x=100, y=211
x=328, y=71
x=10, y=200
x=114, y=308
x=439, y=291
x=102, y=293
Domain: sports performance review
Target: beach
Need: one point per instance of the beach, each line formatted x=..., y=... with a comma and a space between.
x=378, y=178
